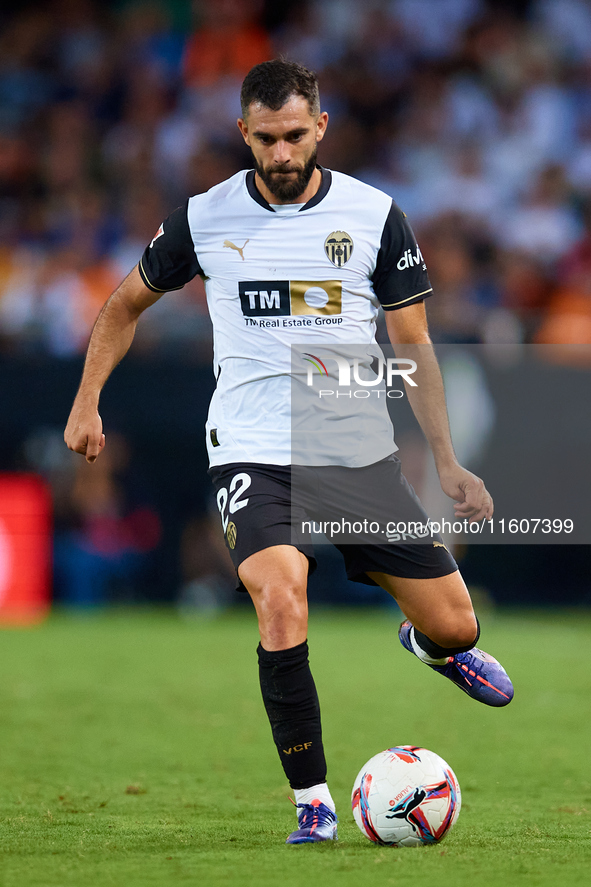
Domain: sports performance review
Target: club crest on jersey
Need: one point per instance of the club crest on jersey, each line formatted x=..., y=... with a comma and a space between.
x=338, y=246
x=158, y=234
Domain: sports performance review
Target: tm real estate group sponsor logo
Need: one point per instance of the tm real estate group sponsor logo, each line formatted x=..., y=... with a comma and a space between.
x=306, y=302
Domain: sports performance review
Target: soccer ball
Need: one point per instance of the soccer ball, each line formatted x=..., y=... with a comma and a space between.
x=406, y=796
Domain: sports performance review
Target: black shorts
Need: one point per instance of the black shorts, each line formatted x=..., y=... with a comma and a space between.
x=258, y=511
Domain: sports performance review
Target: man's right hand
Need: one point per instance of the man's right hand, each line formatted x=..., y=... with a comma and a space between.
x=84, y=432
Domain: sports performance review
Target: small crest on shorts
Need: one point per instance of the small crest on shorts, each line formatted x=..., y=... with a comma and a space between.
x=231, y=534
x=338, y=246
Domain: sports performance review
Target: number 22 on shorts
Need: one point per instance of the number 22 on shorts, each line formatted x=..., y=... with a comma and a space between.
x=238, y=485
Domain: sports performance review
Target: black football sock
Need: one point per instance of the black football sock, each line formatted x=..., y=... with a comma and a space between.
x=291, y=701
x=435, y=651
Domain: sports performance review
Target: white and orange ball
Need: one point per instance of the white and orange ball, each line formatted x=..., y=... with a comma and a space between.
x=405, y=796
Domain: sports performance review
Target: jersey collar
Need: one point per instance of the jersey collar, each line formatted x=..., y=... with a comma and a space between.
x=313, y=201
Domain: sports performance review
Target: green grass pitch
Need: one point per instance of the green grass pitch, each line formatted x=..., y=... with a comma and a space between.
x=135, y=751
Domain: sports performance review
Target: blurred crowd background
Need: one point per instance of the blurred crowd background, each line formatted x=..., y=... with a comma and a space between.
x=474, y=115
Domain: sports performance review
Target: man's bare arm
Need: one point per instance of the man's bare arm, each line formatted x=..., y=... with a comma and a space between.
x=408, y=332
x=110, y=340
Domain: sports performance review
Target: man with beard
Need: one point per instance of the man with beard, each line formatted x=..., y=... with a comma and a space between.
x=291, y=252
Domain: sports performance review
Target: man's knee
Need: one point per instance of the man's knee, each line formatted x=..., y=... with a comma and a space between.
x=276, y=579
x=288, y=598
x=456, y=631
x=282, y=613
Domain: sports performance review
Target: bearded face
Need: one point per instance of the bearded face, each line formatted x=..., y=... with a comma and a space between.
x=284, y=143
x=286, y=181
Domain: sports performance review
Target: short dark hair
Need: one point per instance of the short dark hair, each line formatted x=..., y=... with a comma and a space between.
x=272, y=83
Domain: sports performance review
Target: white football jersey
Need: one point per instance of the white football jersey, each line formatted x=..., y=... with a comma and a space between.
x=312, y=277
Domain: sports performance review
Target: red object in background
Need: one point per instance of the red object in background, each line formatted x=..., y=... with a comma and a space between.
x=25, y=549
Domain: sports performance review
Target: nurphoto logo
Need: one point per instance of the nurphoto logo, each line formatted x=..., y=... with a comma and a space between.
x=347, y=367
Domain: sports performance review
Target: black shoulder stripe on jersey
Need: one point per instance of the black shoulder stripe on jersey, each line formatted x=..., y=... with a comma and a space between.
x=169, y=262
x=314, y=201
x=400, y=275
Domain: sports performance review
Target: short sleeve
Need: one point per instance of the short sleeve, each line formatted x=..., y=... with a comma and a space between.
x=400, y=276
x=169, y=262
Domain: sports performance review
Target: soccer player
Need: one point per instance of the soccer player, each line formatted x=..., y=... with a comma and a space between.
x=261, y=240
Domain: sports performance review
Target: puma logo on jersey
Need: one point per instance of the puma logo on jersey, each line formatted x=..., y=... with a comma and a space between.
x=440, y=545
x=407, y=260
x=239, y=249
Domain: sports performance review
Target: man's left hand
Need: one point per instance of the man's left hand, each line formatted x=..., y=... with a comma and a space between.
x=472, y=499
